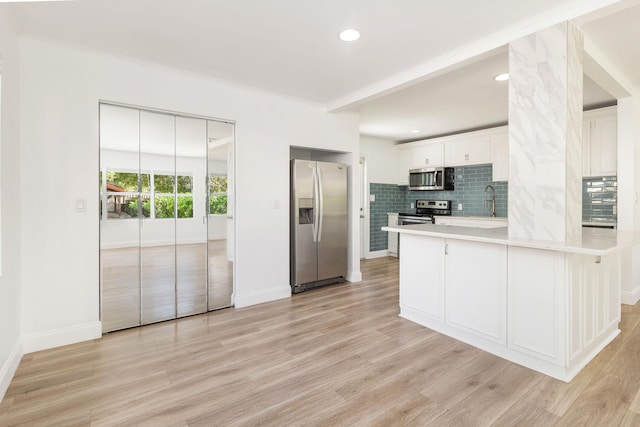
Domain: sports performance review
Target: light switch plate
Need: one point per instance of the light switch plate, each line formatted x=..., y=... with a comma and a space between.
x=81, y=205
x=372, y=197
x=459, y=206
x=412, y=206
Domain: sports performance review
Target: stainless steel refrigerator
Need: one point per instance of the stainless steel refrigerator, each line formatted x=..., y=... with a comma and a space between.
x=319, y=226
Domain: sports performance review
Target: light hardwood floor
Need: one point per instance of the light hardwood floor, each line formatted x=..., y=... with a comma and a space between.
x=335, y=356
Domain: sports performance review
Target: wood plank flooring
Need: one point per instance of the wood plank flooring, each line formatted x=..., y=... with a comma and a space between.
x=336, y=356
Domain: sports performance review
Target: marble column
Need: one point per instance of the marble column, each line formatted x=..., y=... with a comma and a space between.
x=545, y=134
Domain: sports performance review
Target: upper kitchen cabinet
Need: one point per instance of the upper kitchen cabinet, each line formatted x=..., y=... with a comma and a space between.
x=418, y=155
x=426, y=155
x=500, y=154
x=600, y=142
x=468, y=149
x=403, y=166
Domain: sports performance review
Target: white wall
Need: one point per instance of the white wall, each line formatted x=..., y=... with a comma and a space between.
x=628, y=188
x=10, y=209
x=382, y=158
x=60, y=151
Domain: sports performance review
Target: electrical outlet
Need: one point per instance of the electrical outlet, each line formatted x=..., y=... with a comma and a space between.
x=372, y=197
x=459, y=206
x=412, y=206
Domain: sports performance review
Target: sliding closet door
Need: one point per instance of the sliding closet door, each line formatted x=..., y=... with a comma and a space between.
x=220, y=234
x=120, y=209
x=191, y=225
x=166, y=229
x=158, y=219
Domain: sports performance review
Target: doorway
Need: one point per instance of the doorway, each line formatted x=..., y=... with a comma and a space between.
x=166, y=215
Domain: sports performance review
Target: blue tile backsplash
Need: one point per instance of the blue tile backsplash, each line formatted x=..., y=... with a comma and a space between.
x=389, y=198
x=469, y=187
x=469, y=191
x=599, y=200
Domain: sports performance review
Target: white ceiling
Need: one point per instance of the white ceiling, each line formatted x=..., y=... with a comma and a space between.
x=291, y=47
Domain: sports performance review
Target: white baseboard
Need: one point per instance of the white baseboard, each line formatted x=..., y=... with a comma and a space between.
x=354, y=276
x=8, y=369
x=631, y=297
x=60, y=337
x=253, y=298
x=377, y=254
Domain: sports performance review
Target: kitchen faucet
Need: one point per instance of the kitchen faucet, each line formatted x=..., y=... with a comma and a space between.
x=492, y=200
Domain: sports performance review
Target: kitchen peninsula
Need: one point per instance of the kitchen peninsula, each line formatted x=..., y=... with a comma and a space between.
x=550, y=306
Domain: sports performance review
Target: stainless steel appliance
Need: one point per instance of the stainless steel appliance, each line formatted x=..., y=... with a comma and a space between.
x=426, y=210
x=432, y=179
x=319, y=227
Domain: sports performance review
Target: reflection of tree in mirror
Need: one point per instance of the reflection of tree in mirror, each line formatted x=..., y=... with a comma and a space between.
x=163, y=183
x=131, y=207
x=218, y=194
x=164, y=206
x=185, y=183
x=128, y=181
x=185, y=207
x=122, y=205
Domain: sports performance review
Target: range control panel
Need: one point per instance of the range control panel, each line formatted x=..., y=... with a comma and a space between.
x=433, y=204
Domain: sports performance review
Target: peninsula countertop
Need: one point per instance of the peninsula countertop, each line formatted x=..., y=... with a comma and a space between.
x=594, y=241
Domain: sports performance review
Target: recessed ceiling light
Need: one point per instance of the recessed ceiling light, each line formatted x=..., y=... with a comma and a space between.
x=501, y=77
x=349, y=35
x=414, y=131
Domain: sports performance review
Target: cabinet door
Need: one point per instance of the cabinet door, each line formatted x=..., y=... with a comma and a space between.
x=500, y=156
x=430, y=155
x=476, y=289
x=455, y=152
x=422, y=276
x=468, y=151
x=403, y=167
x=604, y=146
x=392, y=238
x=478, y=150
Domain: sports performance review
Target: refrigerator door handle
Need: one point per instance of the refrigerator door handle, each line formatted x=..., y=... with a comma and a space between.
x=321, y=204
x=314, y=226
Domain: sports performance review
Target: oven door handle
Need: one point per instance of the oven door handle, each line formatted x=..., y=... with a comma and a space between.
x=408, y=221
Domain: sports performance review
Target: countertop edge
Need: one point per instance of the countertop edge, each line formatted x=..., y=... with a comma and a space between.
x=469, y=236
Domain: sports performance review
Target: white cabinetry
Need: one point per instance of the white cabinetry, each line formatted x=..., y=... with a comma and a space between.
x=476, y=288
x=600, y=142
x=426, y=155
x=392, y=238
x=549, y=310
x=422, y=276
x=500, y=154
x=416, y=155
x=467, y=150
x=403, y=166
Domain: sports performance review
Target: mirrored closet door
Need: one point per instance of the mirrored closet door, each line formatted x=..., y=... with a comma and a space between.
x=166, y=225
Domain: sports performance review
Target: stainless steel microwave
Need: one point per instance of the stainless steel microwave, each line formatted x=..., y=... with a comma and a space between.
x=432, y=179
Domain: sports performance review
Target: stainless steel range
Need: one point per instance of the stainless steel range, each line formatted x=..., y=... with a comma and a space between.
x=426, y=210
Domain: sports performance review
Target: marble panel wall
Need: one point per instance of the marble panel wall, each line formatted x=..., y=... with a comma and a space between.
x=545, y=134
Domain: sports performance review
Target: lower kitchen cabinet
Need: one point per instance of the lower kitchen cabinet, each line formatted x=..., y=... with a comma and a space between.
x=422, y=276
x=549, y=310
x=392, y=238
x=476, y=288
